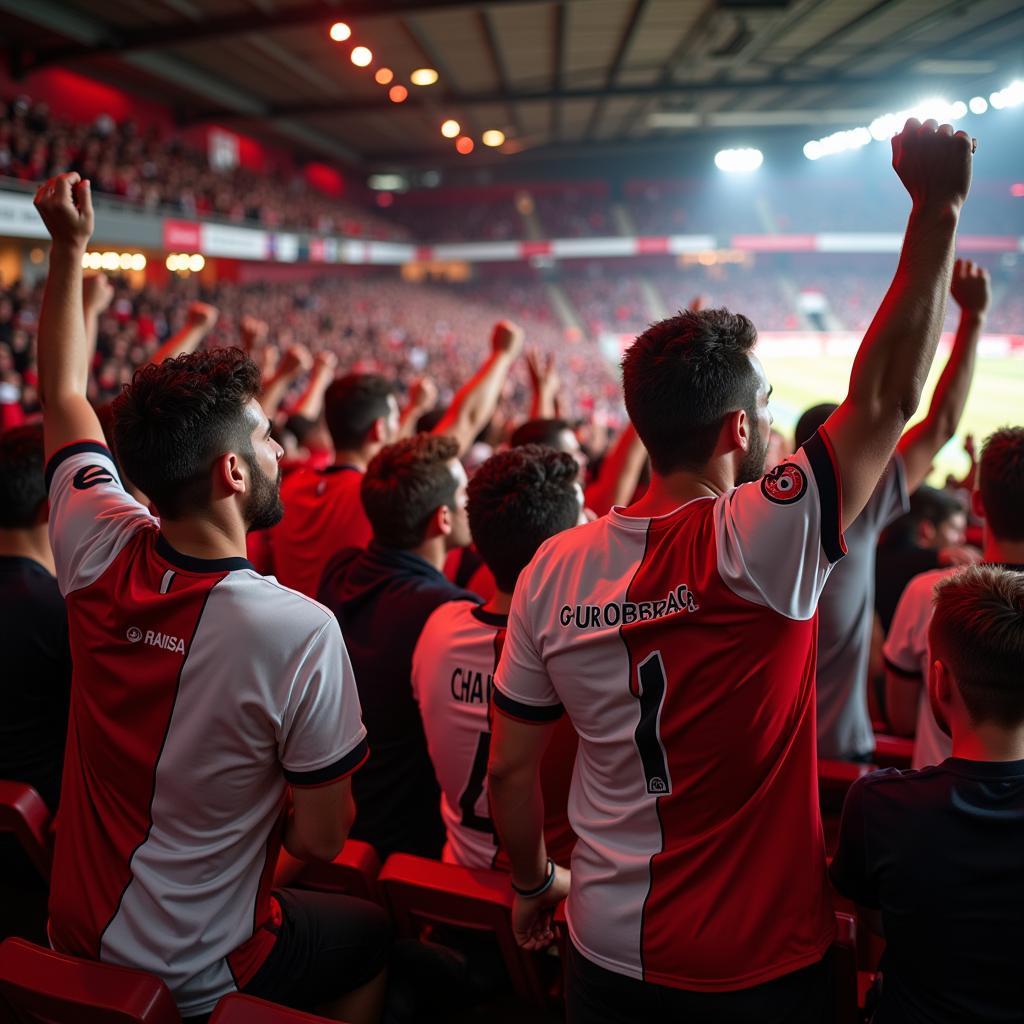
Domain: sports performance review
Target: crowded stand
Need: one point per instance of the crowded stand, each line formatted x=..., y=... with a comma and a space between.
x=454, y=637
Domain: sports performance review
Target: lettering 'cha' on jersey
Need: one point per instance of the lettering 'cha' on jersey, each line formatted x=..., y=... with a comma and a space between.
x=199, y=688
x=683, y=649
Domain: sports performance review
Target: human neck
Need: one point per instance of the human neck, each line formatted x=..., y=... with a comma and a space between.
x=33, y=543
x=499, y=604
x=667, y=493
x=1003, y=552
x=987, y=741
x=205, y=538
x=433, y=551
x=351, y=457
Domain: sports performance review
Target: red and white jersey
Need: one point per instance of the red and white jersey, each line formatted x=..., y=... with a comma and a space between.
x=323, y=514
x=199, y=689
x=452, y=675
x=683, y=649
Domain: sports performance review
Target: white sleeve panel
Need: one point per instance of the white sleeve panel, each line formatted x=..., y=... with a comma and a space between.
x=322, y=737
x=92, y=516
x=778, y=537
x=906, y=645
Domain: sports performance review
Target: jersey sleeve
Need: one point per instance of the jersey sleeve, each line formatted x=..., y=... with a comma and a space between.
x=778, y=538
x=522, y=687
x=889, y=500
x=907, y=642
x=322, y=737
x=850, y=870
x=92, y=516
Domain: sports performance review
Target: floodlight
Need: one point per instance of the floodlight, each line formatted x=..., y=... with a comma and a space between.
x=738, y=160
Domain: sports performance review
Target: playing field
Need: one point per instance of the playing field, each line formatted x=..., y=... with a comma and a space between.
x=996, y=399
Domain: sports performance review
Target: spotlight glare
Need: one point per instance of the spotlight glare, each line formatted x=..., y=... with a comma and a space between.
x=398, y=94
x=450, y=129
x=464, y=144
x=362, y=56
x=138, y=261
x=384, y=76
x=493, y=137
x=195, y=263
x=978, y=105
x=738, y=160
x=1011, y=96
x=173, y=262
x=812, y=149
x=340, y=32
x=423, y=76
x=958, y=110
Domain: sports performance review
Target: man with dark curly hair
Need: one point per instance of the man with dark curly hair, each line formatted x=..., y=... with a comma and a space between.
x=517, y=500
x=414, y=494
x=201, y=690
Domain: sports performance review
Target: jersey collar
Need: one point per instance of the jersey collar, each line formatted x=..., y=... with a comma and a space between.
x=191, y=564
x=489, y=618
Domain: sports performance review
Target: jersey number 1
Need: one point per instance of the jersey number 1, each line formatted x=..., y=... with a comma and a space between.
x=651, y=686
x=475, y=787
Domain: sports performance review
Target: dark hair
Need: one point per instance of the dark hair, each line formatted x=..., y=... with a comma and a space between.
x=405, y=484
x=540, y=431
x=177, y=417
x=681, y=378
x=812, y=421
x=927, y=505
x=352, y=404
x=22, y=482
x=1001, y=482
x=978, y=632
x=518, y=499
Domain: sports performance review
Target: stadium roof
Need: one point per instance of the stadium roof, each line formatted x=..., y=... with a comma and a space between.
x=556, y=76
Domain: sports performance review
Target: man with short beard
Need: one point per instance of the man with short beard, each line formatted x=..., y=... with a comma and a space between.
x=679, y=636
x=201, y=690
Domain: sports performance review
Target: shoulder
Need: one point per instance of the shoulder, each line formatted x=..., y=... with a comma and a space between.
x=450, y=615
x=921, y=588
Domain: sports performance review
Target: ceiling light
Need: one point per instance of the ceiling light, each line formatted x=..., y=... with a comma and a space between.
x=464, y=144
x=492, y=137
x=423, y=76
x=450, y=129
x=398, y=94
x=362, y=56
x=340, y=32
x=1011, y=96
x=384, y=76
x=196, y=263
x=738, y=160
x=978, y=105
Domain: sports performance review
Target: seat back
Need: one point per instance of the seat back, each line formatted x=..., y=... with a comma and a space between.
x=844, y=966
x=40, y=986
x=353, y=873
x=418, y=891
x=240, y=1009
x=24, y=815
x=893, y=751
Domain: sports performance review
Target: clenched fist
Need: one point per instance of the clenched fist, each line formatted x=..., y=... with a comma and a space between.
x=934, y=163
x=971, y=287
x=202, y=315
x=97, y=293
x=65, y=204
x=508, y=338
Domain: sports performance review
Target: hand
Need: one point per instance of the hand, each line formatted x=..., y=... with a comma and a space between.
x=97, y=293
x=969, y=447
x=325, y=363
x=697, y=303
x=934, y=163
x=295, y=361
x=203, y=316
x=959, y=555
x=532, y=918
x=267, y=359
x=507, y=338
x=423, y=394
x=253, y=332
x=543, y=376
x=971, y=287
x=65, y=204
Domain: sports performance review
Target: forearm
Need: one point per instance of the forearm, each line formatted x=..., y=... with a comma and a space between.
x=92, y=335
x=185, y=341
x=63, y=344
x=408, y=420
x=274, y=392
x=543, y=406
x=517, y=806
x=311, y=401
x=475, y=402
x=620, y=473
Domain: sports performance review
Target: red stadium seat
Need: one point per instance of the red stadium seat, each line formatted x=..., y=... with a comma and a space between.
x=353, y=873
x=893, y=751
x=836, y=777
x=419, y=891
x=43, y=987
x=24, y=815
x=239, y=1009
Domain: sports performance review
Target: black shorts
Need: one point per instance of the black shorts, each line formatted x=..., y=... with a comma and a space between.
x=594, y=995
x=327, y=945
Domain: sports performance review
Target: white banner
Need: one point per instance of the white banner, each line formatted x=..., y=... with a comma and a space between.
x=18, y=217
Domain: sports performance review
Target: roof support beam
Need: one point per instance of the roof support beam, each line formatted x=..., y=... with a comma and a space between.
x=616, y=65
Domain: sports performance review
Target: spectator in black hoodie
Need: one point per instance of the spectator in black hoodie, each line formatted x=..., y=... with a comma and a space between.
x=414, y=494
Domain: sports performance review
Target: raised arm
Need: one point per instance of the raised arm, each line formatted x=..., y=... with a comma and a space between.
x=65, y=205
x=422, y=399
x=545, y=382
x=294, y=363
x=619, y=474
x=201, y=319
x=921, y=443
x=311, y=401
x=97, y=294
x=890, y=369
x=474, y=405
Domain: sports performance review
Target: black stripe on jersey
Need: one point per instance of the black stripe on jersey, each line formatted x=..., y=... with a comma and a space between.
x=68, y=451
x=893, y=667
x=191, y=564
x=489, y=618
x=332, y=772
x=526, y=712
x=826, y=475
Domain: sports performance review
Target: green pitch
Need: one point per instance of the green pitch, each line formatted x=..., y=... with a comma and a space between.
x=996, y=399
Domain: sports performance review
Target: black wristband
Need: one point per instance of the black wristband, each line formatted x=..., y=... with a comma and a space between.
x=549, y=880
